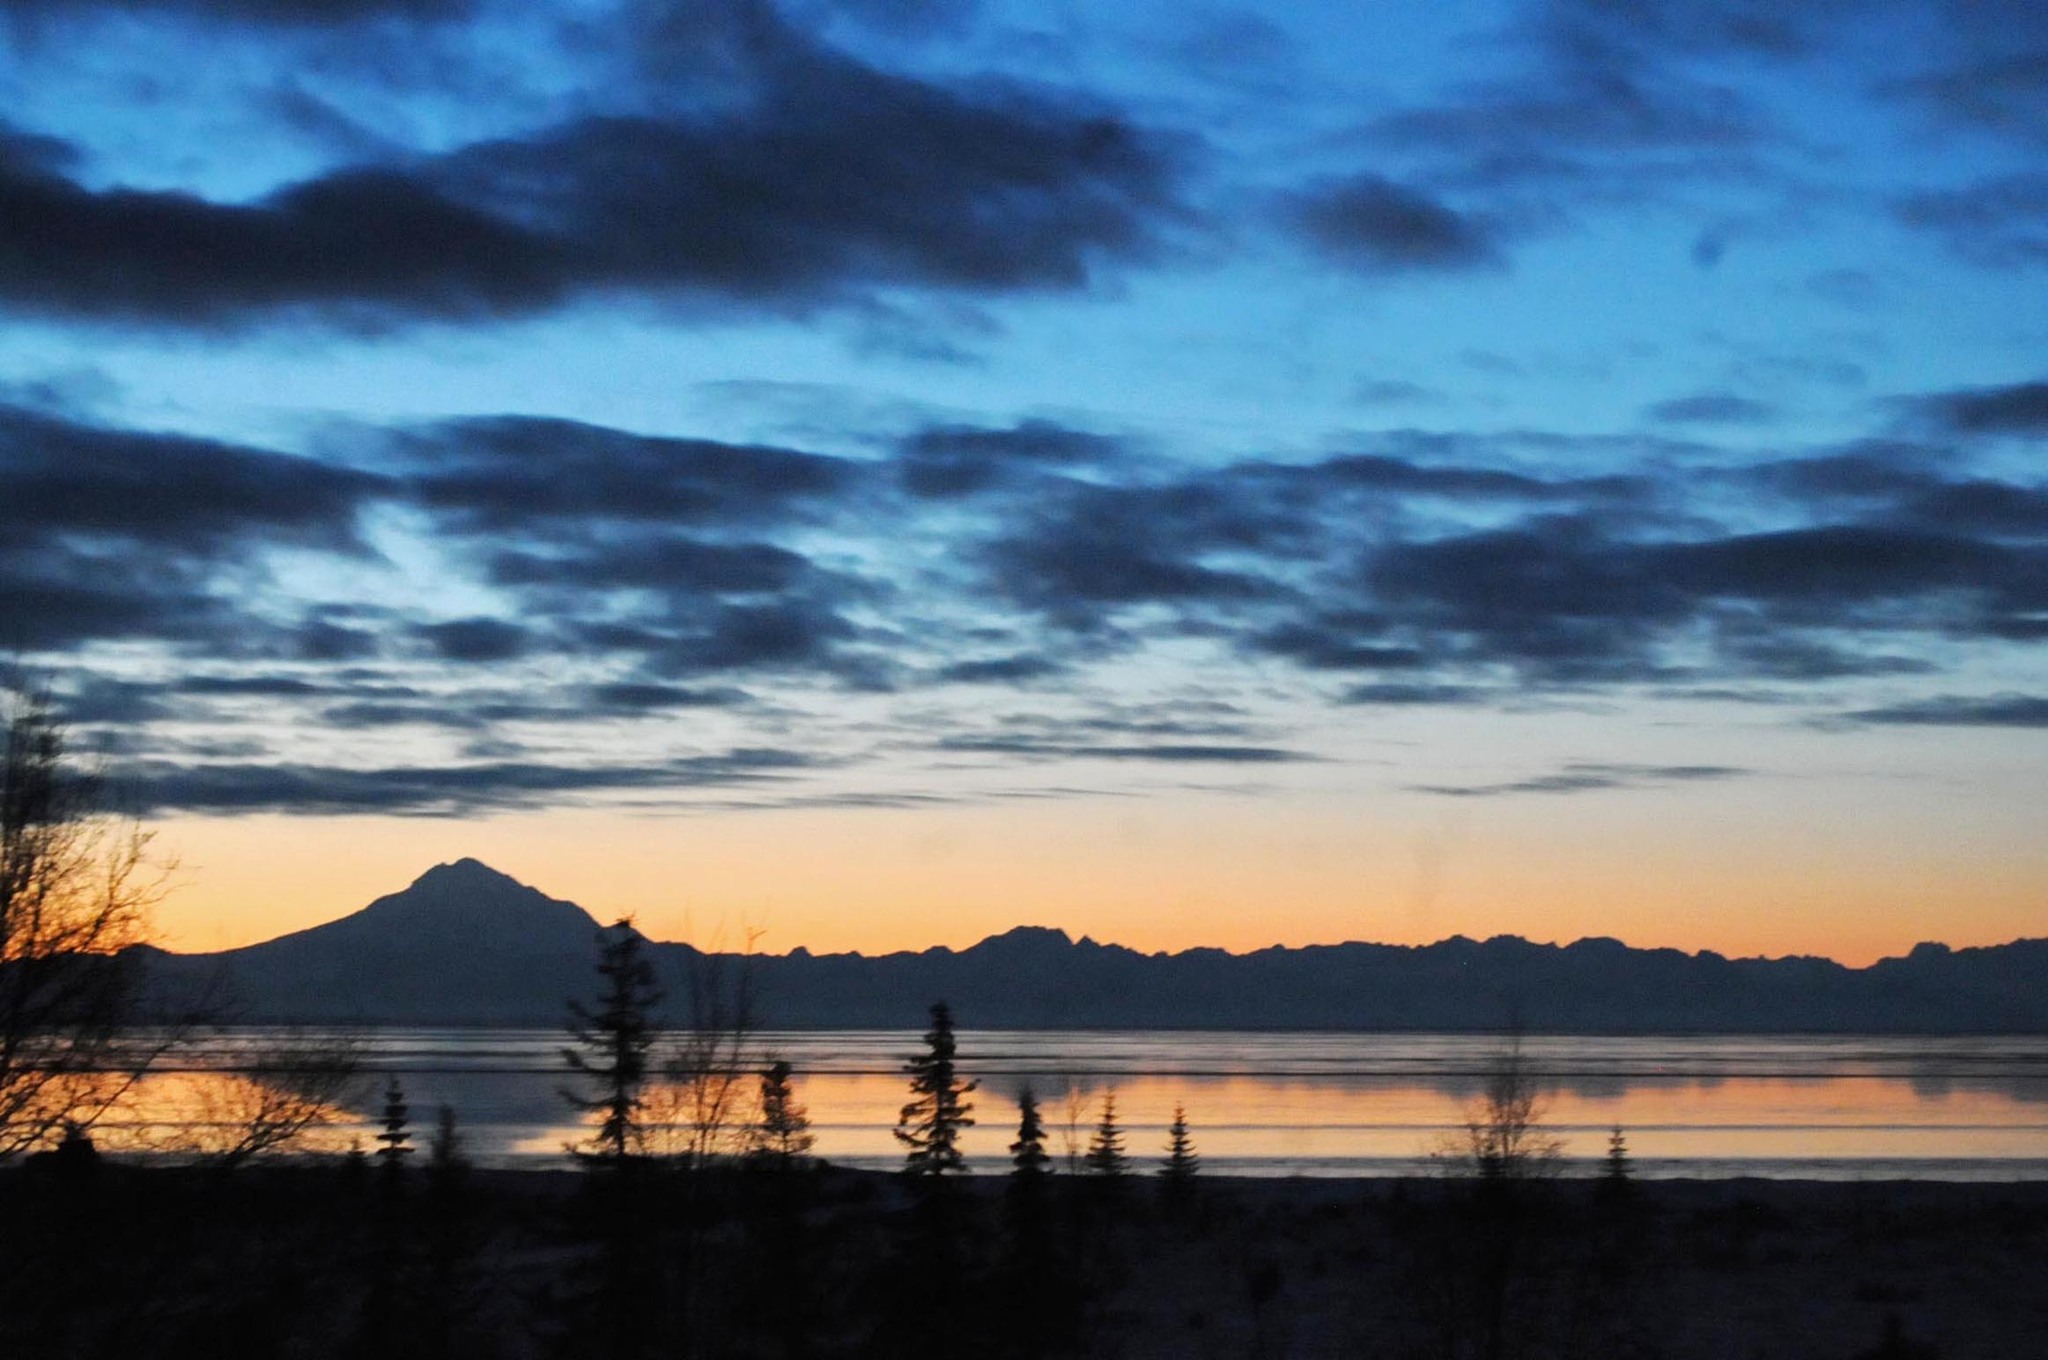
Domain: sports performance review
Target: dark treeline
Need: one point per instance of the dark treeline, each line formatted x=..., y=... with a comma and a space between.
x=318, y=1258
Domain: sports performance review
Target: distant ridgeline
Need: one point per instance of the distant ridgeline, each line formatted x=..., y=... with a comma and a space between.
x=468, y=945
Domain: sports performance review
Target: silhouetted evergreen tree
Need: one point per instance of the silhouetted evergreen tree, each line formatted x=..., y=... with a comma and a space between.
x=612, y=1043
x=386, y=1308
x=395, y=1137
x=1037, y=1290
x=931, y=1123
x=931, y=1280
x=1106, y=1149
x=1181, y=1164
x=610, y=1052
x=1028, y=1154
x=1618, y=1167
x=449, y=1240
x=784, y=1133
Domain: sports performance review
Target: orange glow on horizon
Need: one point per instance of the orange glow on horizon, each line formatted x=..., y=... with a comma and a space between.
x=1229, y=873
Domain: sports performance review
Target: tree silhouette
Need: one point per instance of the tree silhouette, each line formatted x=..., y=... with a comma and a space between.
x=395, y=1136
x=1504, y=1141
x=283, y=1091
x=1181, y=1160
x=784, y=1133
x=610, y=1051
x=930, y=1124
x=612, y=1042
x=76, y=887
x=1028, y=1154
x=706, y=1071
x=1106, y=1149
x=390, y=1298
x=1619, y=1167
x=448, y=1245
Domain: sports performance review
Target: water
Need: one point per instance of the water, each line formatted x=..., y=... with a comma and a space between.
x=1278, y=1104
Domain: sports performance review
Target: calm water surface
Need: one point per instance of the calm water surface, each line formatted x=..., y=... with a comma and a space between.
x=1306, y=1103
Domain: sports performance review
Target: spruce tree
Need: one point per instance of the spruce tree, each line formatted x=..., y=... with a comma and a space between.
x=1181, y=1161
x=612, y=1043
x=1028, y=1154
x=930, y=1124
x=784, y=1133
x=1106, y=1149
x=396, y=1136
x=1619, y=1168
x=449, y=1243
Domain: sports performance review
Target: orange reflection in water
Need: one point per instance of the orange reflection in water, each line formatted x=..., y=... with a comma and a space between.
x=1309, y=1120
x=215, y=1114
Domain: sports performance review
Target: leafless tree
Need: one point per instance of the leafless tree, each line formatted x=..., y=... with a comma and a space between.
x=1504, y=1139
x=76, y=888
x=1073, y=1119
x=277, y=1096
x=711, y=1071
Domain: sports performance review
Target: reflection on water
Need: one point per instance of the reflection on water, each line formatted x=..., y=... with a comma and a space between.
x=1282, y=1104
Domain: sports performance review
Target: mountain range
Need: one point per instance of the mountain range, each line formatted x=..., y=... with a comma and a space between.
x=467, y=945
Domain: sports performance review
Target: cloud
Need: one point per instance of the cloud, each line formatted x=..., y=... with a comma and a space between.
x=1374, y=225
x=2002, y=710
x=1001, y=670
x=1999, y=223
x=1090, y=549
x=1589, y=777
x=643, y=697
x=1397, y=693
x=832, y=179
x=1332, y=642
x=363, y=246
x=943, y=461
x=110, y=533
x=473, y=641
x=323, y=790
x=265, y=12
x=671, y=564
x=504, y=474
x=2002, y=87
x=1394, y=392
x=1712, y=408
x=1168, y=752
x=1911, y=486
x=2017, y=408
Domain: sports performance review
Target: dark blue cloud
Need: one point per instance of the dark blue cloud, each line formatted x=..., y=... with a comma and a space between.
x=510, y=474
x=2000, y=710
x=478, y=640
x=1372, y=224
x=943, y=461
x=830, y=180
x=1999, y=223
x=261, y=12
x=113, y=533
x=2016, y=408
x=451, y=790
x=1712, y=408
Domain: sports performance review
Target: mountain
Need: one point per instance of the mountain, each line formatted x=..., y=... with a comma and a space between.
x=466, y=944
x=463, y=944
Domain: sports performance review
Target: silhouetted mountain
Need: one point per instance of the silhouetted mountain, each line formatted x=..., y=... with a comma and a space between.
x=464, y=944
x=468, y=945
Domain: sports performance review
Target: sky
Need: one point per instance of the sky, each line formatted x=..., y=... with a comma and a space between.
x=870, y=474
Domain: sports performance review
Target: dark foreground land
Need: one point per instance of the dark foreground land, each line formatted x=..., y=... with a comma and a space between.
x=339, y=1259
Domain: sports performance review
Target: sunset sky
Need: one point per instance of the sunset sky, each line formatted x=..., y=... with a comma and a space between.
x=881, y=472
